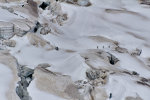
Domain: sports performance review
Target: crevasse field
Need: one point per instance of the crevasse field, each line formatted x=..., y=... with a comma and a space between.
x=74, y=50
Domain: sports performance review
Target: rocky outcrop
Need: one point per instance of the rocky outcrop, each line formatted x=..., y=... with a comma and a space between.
x=49, y=82
x=44, y=5
x=25, y=75
x=96, y=77
x=9, y=43
x=91, y=88
x=112, y=59
x=38, y=41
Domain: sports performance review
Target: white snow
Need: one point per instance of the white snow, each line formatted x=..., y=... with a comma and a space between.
x=5, y=79
x=7, y=16
x=123, y=86
x=124, y=21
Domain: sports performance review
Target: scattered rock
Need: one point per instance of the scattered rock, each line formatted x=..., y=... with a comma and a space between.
x=121, y=50
x=45, y=29
x=96, y=76
x=136, y=52
x=92, y=74
x=61, y=18
x=10, y=43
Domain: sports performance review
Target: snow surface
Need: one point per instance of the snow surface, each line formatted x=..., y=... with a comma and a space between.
x=5, y=76
x=5, y=15
x=124, y=21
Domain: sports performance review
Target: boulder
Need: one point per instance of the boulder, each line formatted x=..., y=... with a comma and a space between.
x=44, y=5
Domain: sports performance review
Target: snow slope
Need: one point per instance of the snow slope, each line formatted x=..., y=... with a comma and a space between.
x=102, y=26
x=5, y=81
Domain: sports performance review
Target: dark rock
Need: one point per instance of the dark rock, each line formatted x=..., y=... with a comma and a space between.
x=110, y=96
x=144, y=79
x=24, y=82
x=44, y=5
x=21, y=92
x=127, y=72
x=38, y=25
x=112, y=59
x=27, y=72
x=25, y=75
x=134, y=73
x=56, y=48
x=143, y=83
